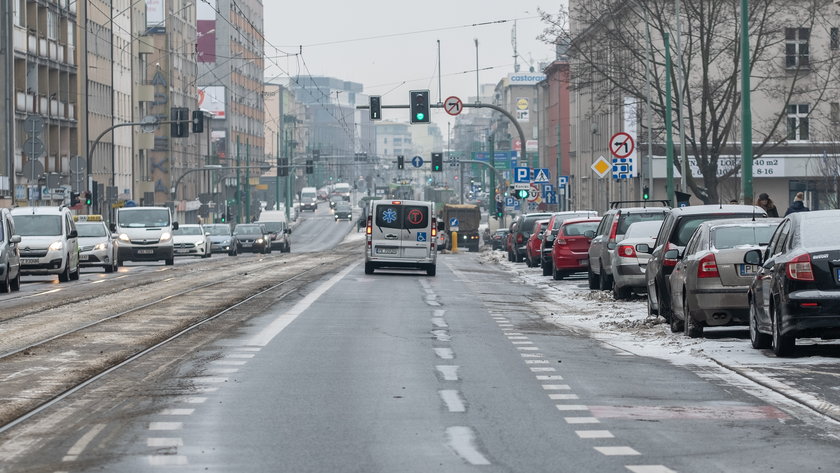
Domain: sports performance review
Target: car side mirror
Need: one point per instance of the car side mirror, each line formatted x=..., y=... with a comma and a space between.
x=441, y=225
x=550, y=238
x=113, y=227
x=174, y=225
x=611, y=245
x=753, y=257
x=73, y=234
x=589, y=234
x=672, y=254
x=643, y=248
x=288, y=231
x=14, y=239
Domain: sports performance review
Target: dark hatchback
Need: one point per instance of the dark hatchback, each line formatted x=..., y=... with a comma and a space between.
x=796, y=291
x=520, y=231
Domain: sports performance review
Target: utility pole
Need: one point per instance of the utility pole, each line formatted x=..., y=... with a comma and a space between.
x=238, y=195
x=648, y=70
x=746, y=112
x=681, y=99
x=248, y=180
x=669, y=133
x=492, y=197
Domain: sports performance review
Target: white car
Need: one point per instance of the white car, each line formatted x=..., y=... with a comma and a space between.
x=97, y=246
x=191, y=240
x=49, y=242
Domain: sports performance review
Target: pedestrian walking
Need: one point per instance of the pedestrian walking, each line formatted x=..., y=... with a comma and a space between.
x=767, y=204
x=798, y=204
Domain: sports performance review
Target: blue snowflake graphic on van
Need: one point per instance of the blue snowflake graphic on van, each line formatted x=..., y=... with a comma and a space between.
x=389, y=215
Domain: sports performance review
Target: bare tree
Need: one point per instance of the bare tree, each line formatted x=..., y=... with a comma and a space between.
x=608, y=47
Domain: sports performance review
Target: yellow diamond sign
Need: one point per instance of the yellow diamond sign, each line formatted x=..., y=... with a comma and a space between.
x=601, y=166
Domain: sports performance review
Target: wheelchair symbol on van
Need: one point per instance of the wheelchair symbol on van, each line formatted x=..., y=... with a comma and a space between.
x=421, y=236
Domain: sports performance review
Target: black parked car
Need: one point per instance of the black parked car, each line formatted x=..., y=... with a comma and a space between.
x=498, y=238
x=252, y=237
x=796, y=290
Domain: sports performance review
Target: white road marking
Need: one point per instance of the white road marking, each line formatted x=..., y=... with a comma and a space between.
x=453, y=401
x=439, y=312
x=537, y=362
x=229, y=362
x=195, y=400
x=167, y=460
x=505, y=325
x=517, y=337
x=439, y=322
x=527, y=348
x=205, y=389
x=266, y=335
x=649, y=469
x=79, y=447
x=542, y=369
x=571, y=407
x=442, y=335
x=432, y=302
x=531, y=355
x=444, y=353
x=177, y=412
x=555, y=387
x=164, y=442
x=429, y=291
x=100, y=281
x=449, y=372
x=222, y=370
x=522, y=343
x=508, y=334
x=562, y=397
x=582, y=420
x=240, y=355
x=166, y=425
x=211, y=379
x=594, y=434
x=616, y=451
x=549, y=377
x=462, y=441
x=248, y=348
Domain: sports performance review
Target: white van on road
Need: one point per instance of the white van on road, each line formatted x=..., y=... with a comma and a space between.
x=401, y=234
x=145, y=234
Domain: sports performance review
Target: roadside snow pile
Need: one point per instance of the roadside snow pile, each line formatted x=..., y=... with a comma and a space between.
x=492, y=256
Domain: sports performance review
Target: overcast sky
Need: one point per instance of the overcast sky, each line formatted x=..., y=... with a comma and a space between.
x=402, y=55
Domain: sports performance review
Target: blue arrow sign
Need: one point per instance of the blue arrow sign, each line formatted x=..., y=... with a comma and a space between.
x=551, y=198
x=547, y=189
x=417, y=161
x=453, y=222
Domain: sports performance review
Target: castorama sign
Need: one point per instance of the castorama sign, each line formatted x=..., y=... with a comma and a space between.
x=525, y=78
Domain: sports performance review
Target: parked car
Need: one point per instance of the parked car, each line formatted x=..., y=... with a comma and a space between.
x=631, y=258
x=571, y=246
x=520, y=231
x=442, y=240
x=343, y=211
x=795, y=292
x=547, y=243
x=676, y=230
x=499, y=238
x=221, y=238
x=611, y=230
x=191, y=240
x=710, y=280
x=97, y=245
x=532, y=248
x=9, y=253
x=49, y=242
x=251, y=237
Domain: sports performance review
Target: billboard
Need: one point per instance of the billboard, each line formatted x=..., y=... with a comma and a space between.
x=212, y=99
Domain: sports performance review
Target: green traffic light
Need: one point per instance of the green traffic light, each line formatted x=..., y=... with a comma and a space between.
x=420, y=116
x=522, y=193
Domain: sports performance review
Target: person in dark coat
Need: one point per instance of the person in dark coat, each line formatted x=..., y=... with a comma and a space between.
x=765, y=203
x=798, y=204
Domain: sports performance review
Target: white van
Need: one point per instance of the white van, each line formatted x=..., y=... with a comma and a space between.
x=145, y=234
x=401, y=234
x=308, y=199
x=49, y=242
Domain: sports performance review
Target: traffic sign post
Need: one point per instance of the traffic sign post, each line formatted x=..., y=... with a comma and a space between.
x=453, y=105
x=601, y=166
x=622, y=145
x=521, y=174
x=417, y=161
x=541, y=176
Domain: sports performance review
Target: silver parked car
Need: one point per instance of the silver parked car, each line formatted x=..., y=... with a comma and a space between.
x=710, y=281
x=9, y=253
x=631, y=257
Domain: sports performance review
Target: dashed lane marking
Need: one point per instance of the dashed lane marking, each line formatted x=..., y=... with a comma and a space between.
x=444, y=353
x=531, y=355
x=439, y=322
x=571, y=407
x=166, y=425
x=442, y=335
x=177, y=412
x=167, y=460
x=453, y=400
x=449, y=372
x=439, y=312
x=522, y=343
x=164, y=442
x=542, y=369
x=555, y=387
x=240, y=355
x=79, y=447
x=549, y=377
x=195, y=400
x=617, y=451
x=693, y=412
x=527, y=348
x=462, y=441
x=211, y=379
x=581, y=420
x=594, y=434
x=562, y=397
x=228, y=362
x=649, y=469
x=537, y=362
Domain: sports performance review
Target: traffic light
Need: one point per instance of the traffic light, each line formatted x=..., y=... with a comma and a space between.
x=316, y=154
x=283, y=167
x=400, y=162
x=74, y=199
x=500, y=209
x=523, y=193
x=419, y=105
x=310, y=166
x=88, y=200
x=646, y=193
x=197, y=121
x=375, y=107
x=179, y=128
x=437, y=162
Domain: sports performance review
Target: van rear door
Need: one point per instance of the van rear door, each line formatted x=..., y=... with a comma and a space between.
x=401, y=231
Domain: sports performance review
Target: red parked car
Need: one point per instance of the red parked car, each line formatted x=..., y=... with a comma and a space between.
x=534, y=246
x=570, y=252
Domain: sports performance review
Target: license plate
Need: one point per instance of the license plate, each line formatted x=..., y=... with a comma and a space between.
x=84, y=257
x=247, y=245
x=182, y=251
x=747, y=269
x=386, y=251
x=145, y=252
x=29, y=261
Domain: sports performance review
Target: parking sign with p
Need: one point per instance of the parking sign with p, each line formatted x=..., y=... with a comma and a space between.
x=521, y=174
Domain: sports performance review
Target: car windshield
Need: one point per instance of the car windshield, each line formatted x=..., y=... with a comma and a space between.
x=631, y=218
x=186, y=230
x=643, y=229
x=578, y=229
x=687, y=225
x=273, y=227
x=38, y=225
x=143, y=218
x=732, y=236
x=342, y=206
x=249, y=230
x=91, y=230
x=218, y=230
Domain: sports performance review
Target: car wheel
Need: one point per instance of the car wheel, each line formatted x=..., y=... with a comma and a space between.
x=170, y=261
x=546, y=269
x=109, y=268
x=620, y=293
x=783, y=345
x=557, y=275
x=431, y=270
x=6, y=284
x=594, y=280
x=75, y=274
x=14, y=284
x=757, y=339
x=64, y=276
x=368, y=268
x=603, y=279
x=695, y=328
x=675, y=324
x=664, y=310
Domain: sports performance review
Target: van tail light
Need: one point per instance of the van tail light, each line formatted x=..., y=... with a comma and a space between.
x=799, y=268
x=708, y=267
x=627, y=251
x=434, y=227
x=369, y=228
x=614, y=229
x=668, y=261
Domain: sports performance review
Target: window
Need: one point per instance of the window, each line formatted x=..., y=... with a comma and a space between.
x=835, y=38
x=797, y=120
x=796, y=47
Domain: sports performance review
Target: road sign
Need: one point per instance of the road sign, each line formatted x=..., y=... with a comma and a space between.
x=562, y=181
x=521, y=185
x=622, y=145
x=622, y=168
x=551, y=199
x=33, y=147
x=601, y=166
x=547, y=189
x=499, y=198
x=534, y=193
x=33, y=124
x=453, y=105
x=521, y=174
x=516, y=204
x=453, y=222
x=541, y=176
x=510, y=202
x=417, y=161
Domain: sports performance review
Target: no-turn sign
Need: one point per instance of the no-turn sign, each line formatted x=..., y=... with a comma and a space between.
x=622, y=145
x=453, y=105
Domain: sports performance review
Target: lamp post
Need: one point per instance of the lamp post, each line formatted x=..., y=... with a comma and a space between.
x=746, y=113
